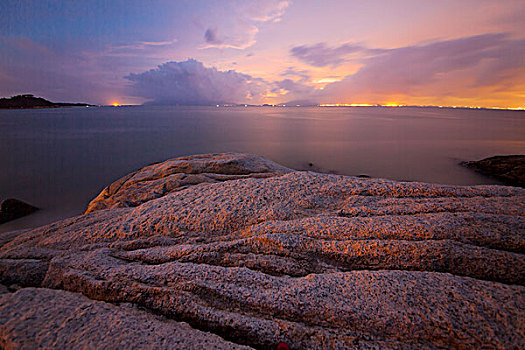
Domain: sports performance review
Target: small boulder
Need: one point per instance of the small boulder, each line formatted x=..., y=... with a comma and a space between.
x=12, y=208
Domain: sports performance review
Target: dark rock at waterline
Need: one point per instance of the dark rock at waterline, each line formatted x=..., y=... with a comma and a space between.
x=12, y=208
x=509, y=169
x=316, y=168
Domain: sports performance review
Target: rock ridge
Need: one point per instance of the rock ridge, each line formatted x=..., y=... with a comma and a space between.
x=244, y=250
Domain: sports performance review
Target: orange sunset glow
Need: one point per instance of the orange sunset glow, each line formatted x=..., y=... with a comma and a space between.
x=279, y=52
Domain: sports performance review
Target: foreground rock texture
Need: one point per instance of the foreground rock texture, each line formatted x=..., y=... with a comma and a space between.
x=509, y=169
x=256, y=253
x=34, y=317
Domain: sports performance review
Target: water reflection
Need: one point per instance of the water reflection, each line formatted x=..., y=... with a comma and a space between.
x=58, y=159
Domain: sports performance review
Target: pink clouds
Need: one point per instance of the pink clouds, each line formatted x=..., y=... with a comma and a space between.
x=239, y=21
x=321, y=55
x=463, y=67
x=329, y=51
x=435, y=69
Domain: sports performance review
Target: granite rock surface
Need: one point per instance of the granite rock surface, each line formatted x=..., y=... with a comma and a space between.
x=54, y=319
x=244, y=250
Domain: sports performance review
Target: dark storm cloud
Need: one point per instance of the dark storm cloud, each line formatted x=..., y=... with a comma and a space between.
x=191, y=83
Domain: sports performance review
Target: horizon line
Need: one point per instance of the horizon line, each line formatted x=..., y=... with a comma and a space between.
x=329, y=105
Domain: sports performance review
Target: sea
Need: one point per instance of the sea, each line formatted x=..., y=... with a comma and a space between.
x=60, y=159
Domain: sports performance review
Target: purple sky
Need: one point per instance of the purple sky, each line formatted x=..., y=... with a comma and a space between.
x=460, y=52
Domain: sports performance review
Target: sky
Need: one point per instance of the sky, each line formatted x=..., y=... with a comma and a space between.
x=201, y=52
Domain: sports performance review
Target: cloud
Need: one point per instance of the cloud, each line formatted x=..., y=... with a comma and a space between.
x=264, y=11
x=239, y=35
x=295, y=92
x=138, y=48
x=475, y=68
x=211, y=37
x=236, y=23
x=303, y=74
x=297, y=88
x=320, y=55
x=191, y=83
x=34, y=68
x=450, y=67
x=157, y=43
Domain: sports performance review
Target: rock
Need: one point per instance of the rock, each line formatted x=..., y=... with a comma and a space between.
x=11, y=209
x=509, y=169
x=160, y=179
x=316, y=168
x=259, y=254
x=52, y=319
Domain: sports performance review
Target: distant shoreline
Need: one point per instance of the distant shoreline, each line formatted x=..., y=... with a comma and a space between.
x=29, y=101
x=47, y=107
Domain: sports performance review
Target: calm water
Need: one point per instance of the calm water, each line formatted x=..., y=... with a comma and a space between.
x=59, y=159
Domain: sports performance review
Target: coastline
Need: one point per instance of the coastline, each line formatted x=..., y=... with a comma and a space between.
x=257, y=253
x=46, y=107
x=29, y=101
x=48, y=215
x=59, y=159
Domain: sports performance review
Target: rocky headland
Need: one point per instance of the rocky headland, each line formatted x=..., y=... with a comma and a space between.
x=236, y=251
x=28, y=101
